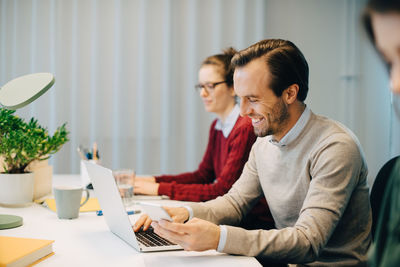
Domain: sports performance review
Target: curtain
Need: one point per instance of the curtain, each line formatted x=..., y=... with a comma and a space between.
x=125, y=71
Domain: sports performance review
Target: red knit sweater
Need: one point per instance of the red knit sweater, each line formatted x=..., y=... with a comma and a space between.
x=221, y=166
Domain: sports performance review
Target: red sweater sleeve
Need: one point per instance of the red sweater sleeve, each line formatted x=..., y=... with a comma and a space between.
x=240, y=142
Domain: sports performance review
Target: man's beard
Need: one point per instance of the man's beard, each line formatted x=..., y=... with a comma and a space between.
x=276, y=124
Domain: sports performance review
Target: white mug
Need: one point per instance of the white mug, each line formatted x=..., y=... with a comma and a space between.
x=68, y=201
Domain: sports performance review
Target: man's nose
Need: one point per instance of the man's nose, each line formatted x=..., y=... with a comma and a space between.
x=244, y=108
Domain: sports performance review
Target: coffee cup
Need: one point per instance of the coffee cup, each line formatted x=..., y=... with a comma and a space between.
x=69, y=200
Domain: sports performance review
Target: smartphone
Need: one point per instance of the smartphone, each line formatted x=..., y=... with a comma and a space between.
x=155, y=211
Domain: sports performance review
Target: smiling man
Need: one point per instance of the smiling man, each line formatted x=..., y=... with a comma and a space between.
x=310, y=168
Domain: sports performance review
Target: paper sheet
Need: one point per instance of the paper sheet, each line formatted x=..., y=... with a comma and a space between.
x=91, y=205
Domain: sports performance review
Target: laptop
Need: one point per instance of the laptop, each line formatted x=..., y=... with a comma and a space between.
x=115, y=214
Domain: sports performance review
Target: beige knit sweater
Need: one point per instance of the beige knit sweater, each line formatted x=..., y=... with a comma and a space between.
x=316, y=188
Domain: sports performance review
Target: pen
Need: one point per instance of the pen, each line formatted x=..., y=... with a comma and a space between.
x=87, y=153
x=129, y=212
x=94, y=151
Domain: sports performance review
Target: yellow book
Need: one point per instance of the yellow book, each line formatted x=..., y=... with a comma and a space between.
x=17, y=251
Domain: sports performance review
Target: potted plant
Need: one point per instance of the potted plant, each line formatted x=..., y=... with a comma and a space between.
x=21, y=144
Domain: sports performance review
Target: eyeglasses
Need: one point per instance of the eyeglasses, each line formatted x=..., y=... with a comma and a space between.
x=209, y=87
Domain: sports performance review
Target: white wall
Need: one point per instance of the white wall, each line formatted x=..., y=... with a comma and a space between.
x=125, y=71
x=347, y=79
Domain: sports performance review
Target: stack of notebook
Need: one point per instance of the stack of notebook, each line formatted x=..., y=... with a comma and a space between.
x=17, y=251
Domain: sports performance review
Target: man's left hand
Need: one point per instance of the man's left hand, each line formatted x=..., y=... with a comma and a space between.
x=197, y=234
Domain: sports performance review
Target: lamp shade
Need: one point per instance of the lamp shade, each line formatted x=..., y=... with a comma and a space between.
x=25, y=89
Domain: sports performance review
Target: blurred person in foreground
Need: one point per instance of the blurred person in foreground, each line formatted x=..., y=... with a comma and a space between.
x=382, y=22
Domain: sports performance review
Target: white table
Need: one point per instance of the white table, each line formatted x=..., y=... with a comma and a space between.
x=87, y=241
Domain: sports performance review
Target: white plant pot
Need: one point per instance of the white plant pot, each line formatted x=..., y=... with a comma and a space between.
x=16, y=189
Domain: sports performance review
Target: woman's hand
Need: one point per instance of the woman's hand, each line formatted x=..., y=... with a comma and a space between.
x=145, y=188
x=149, y=179
x=178, y=215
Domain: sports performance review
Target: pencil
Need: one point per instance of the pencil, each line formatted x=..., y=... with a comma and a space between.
x=95, y=151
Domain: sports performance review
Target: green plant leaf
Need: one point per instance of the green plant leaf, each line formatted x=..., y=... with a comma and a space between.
x=22, y=142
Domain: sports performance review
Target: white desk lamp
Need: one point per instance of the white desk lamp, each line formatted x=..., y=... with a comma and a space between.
x=16, y=94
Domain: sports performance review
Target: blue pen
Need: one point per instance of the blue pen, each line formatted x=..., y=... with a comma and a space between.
x=129, y=212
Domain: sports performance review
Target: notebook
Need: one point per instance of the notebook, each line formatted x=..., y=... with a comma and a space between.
x=17, y=251
x=91, y=205
x=115, y=214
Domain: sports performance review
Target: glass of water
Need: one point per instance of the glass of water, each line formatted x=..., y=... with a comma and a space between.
x=125, y=179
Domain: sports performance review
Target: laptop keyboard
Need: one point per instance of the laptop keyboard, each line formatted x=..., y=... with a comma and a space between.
x=151, y=239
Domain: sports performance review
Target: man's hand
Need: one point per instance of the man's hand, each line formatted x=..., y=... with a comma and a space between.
x=144, y=221
x=146, y=188
x=197, y=234
x=178, y=215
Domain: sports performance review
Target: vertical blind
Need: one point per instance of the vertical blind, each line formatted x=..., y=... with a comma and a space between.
x=125, y=71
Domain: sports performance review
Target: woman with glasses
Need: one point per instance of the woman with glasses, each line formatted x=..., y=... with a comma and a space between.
x=382, y=22
x=230, y=140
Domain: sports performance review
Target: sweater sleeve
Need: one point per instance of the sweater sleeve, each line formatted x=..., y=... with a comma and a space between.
x=230, y=208
x=386, y=246
x=239, y=147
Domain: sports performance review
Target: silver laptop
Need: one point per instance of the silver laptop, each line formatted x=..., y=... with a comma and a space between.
x=115, y=214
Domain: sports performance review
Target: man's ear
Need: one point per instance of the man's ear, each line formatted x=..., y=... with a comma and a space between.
x=290, y=93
